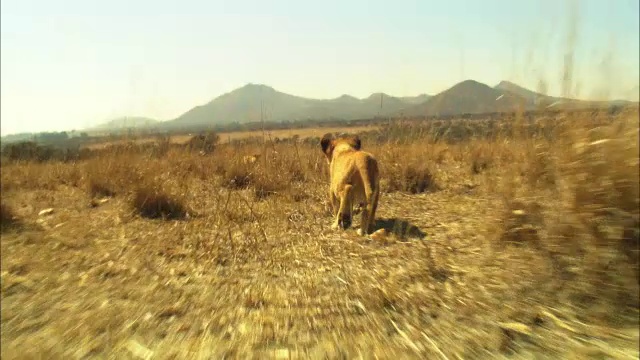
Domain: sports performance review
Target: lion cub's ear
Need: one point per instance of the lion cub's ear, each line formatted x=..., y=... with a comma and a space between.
x=327, y=143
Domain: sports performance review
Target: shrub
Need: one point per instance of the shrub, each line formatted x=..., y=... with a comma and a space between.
x=153, y=203
x=236, y=176
x=588, y=227
x=412, y=178
x=205, y=143
x=481, y=159
x=7, y=217
x=111, y=175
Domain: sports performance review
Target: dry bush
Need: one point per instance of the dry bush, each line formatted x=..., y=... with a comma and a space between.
x=588, y=223
x=161, y=147
x=265, y=189
x=295, y=164
x=101, y=188
x=38, y=176
x=482, y=157
x=522, y=221
x=270, y=181
x=408, y=169
x=282, y=167
x=8, y=219
x=414, y=178
x=236, y=175
x=296, y=173
x=151, y=201
x=183, y=165
x=443, y=156
x=542, y=164
x=603, y=168
x=147, y=183
x=603, y=180
x=29, y=151
x=110, y=175
x=205, y=143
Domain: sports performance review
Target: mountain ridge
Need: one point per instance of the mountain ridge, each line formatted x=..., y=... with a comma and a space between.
x=125, y=122
x=255, y=102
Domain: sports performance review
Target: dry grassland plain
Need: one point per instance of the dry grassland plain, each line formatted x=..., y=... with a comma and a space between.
x=522, y=244
x=236, y=135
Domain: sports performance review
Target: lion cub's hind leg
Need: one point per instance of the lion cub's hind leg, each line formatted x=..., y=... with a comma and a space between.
x=367, y=219
x=335, y=210
x=334, y=202
x=343, y=217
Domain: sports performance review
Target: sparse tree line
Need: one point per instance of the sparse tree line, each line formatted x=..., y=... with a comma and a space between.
x=61, y=147
x=204, y=143
x=33, y=151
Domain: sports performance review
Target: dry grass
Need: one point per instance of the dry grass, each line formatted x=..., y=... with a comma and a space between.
x=7, y=217
x=482, y=157
x=153, y=203
x=237, y=135
x=516, y=245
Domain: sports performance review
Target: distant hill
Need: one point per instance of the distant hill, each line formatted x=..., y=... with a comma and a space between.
x=533, y=98
x=246, y=104
x=126, y=122
x=17, y=138
x=468, y=97
x=472, y=97
x=250, y=102
x=415, y=99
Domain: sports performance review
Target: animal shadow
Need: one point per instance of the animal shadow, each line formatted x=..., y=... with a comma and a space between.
x=400, y=228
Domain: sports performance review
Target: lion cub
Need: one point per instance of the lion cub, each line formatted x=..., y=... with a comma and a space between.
x=355, y=178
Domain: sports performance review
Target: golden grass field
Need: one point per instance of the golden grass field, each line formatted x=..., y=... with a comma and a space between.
x=513, y=247
x=236, y=135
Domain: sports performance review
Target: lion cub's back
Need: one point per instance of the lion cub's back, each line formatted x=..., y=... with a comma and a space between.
x=355, y=168
x=367, y=162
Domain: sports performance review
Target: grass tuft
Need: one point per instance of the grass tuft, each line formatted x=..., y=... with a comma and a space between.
x=8, y=219
x=413, y=178
x=237, y=176
x=153, y=203
x=482, y=158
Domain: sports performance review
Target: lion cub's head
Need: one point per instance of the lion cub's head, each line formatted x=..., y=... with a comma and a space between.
x=329, y=143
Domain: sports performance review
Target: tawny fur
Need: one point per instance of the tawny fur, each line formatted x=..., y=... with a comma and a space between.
x=355, y=179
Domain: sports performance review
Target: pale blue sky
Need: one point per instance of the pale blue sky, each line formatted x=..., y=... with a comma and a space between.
x=67, y=64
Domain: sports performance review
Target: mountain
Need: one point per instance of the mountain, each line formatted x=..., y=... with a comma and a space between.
x=126, y=122
x=536, y=99
x=533, y=98
x=415, y=99
x=6, y=139
x=345, y=99
x=469, y=97
x=252, y=102
x=246, y=104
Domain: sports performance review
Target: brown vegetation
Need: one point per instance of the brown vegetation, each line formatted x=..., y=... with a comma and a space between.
x=513, y=238
x=232, y=136
x=153, y=203
x=7, y=217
